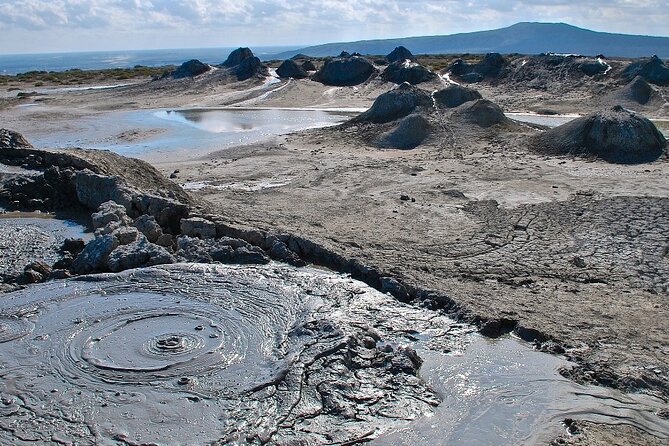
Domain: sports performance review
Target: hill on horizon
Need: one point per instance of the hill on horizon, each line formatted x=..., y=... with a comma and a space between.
x=523, y=38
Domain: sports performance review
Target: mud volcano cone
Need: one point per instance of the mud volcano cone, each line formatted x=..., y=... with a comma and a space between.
x=395, y=104
x=409, y=133
x=616, y=135
x=482, y=112
x=191, y=68
x=455, y=95
x=638, y=91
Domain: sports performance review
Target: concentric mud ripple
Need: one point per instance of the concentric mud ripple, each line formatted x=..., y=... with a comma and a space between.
x=12, y=328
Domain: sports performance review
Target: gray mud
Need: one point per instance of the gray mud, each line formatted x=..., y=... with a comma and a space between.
x=199, y=354
x=26, y=237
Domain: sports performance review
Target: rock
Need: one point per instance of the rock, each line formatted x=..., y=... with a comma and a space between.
x=73, y=245
x=59, y=274
x=395, y=289
x=455, y=95
x=280, y=251
x=167, y=212
x=39, y=266
x=289, y=68
x=94, y=256
x=615, y=135
x=198, y=227
x=401, y=54
x=224, y=250
x=92, y=189
x=109, y=212
x=191, y=68
x=147, y=225
x=482, y=112
x=407, y=71
x=308, y=65
x=165, y=240
x=237, y=56
x=409, y=133
x=64, y=263
x=138, y=254
x=10, y=139
x=125, y=234
x=395, y=104
x=249, y=67
x=638, y=91
x=653, y=70
x=30, y=276
x=345, y=71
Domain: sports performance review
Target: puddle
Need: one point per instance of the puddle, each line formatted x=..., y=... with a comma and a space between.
x=249, y=186
x=192, y=354
x=556, y=120
x=180, y=134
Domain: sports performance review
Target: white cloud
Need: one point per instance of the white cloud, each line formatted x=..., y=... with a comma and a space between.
x=31, y=25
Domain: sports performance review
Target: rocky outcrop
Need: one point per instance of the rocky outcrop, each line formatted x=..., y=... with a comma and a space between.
x=223, y=250
x=615, y=135
x=237, y=56
x=191, y=68
x=400, y=54
x=409, y=133
x=12, y=140
x=482, y=112
x=395, y=104
x=137, y=254
x=345, y=71
x=289, y=68
x=407, y=71
x=455, y=95
x=653, y=70
x=198, y=227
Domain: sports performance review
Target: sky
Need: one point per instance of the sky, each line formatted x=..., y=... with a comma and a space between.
x=34, y=26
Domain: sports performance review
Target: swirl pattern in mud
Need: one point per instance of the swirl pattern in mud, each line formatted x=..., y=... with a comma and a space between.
x=196, y=354
x=12, y=328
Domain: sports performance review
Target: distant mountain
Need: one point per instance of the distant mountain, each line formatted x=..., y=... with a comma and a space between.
x=524, y=38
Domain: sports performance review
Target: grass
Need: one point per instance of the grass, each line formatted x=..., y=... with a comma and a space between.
x=78, y=77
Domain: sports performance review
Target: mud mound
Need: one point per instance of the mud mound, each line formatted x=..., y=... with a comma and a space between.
x=407, y=71
x=400, y=54
x=237, y=56
x=308, y=65
x=10, y=139
x=345, y=71
x=455, y=95
x=489, y=66
x=191, y=68
x=653, y=70
x=615, y=135
x=638, y=91
x=482, y=112
x=539, y=71
x=290, y=68
x=409, y=133
x=395, y=104
x=251, y=66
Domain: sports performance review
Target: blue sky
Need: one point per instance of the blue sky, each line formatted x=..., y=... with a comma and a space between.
x=79, y=25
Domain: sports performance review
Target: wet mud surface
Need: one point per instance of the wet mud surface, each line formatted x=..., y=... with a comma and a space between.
x=205, y=354
x=26, y=237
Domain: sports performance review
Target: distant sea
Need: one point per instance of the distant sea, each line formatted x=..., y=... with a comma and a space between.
x=20, y=63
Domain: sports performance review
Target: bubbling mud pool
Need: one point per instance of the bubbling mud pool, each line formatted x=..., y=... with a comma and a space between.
x=212, y=354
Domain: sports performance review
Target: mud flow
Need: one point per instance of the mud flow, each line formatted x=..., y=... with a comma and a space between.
x=210, y=354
